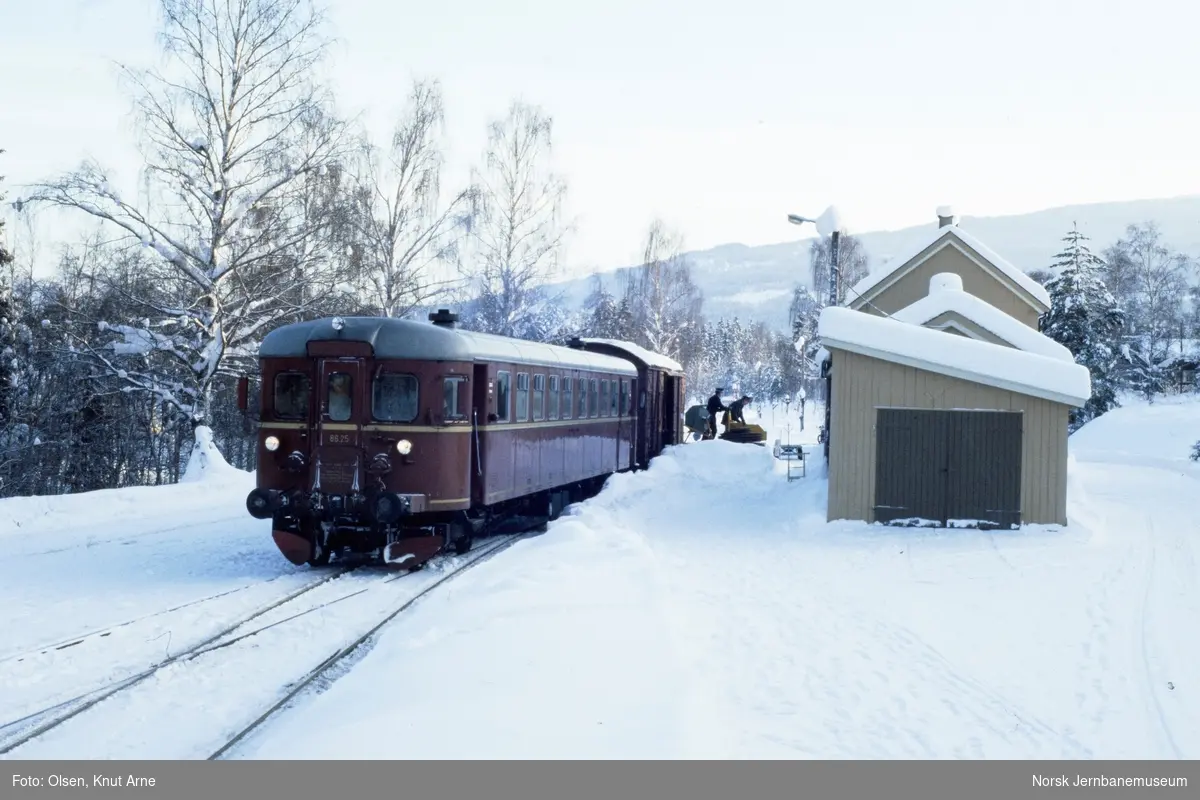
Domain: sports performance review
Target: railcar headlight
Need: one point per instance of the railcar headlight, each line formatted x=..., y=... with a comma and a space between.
x=271, y=443
x=404, y=447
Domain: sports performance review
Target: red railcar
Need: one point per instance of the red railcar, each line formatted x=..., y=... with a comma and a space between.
x=405, y=438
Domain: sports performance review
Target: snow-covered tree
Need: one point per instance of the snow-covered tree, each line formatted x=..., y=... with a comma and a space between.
x=1084, y=317
x=405, y=229
x=7, y=327
x=1149, y=282
x=518, y=234
x=664, y=301
x=236, y=141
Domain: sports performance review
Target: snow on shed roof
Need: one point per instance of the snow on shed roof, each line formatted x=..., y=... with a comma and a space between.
x=650, y=358
x=956, y=356
x=402, y=338
x=946, y=295
x=946, y=233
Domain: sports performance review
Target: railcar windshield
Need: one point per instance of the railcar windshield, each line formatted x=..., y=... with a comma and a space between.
x=341, y=389
x=394, y=398
x=452, y=405
x=291, y=395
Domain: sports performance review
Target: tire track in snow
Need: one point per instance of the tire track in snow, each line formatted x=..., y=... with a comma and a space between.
x=1163, y=732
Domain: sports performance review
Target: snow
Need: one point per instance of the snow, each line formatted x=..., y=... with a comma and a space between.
x=947, y=296
x=206, y=462
x=831, y=221
x=957, y=356
x=945, y=211
x=701, y=609
x=651, y=358
x=946, y=234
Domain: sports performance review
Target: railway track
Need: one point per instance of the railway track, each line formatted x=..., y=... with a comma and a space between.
x=313, y=675
x=171, y=682
x=17, y=732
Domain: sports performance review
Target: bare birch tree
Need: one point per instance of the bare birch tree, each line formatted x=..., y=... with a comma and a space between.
x=519, y=234
x=666, y=303
x=230, y=136
x=403, y=230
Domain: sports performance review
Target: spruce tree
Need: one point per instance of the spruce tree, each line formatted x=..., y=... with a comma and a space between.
x=1084, y=318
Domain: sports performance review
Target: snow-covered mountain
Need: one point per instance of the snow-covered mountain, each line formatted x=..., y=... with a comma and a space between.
x=756, y=282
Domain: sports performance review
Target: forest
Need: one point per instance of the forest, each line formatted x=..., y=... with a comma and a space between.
x=260, y=207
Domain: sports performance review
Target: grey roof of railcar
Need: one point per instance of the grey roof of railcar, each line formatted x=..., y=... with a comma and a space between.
x=402, y=338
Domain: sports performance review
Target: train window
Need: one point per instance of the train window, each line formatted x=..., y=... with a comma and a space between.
x=612, y=401
x=452, y=405
x=539, y=396
x=394, y=397
x=594, y=400
x=581, y=411
x=340, y=396
x=502, y=391
x=522, y=396
x=567, y=396
x=552, y=400
x=291, y=395
x=624, y=397
x=603, y=410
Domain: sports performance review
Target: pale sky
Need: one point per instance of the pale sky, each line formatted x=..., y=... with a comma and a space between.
x=721, y=117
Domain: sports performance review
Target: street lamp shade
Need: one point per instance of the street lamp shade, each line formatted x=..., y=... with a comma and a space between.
x=796, y=219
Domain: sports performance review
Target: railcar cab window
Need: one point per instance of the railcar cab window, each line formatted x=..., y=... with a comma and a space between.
x=522, y=396
x=603, y=410
x=624, y=397
x=503, y=387
x=567, y=396
x=594, y=399
x=452, y=405
x=394, y=397
x=581, y=412
x=291, y=395
x=552, y=400
x=539, y=396
x=339, y=401
x=612, y=400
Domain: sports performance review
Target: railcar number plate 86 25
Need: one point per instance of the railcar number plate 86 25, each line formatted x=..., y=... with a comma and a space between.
x=340, y=438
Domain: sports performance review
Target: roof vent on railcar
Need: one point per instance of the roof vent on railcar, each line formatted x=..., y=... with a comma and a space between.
x=575, y=343
x=443, y=318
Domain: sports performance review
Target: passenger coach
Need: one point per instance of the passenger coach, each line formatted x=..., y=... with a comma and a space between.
x=406, y=438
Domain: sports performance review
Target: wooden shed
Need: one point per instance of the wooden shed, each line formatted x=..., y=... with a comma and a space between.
x=965, y=426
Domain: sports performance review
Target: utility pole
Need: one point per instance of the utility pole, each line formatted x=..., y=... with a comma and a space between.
x=833, y=267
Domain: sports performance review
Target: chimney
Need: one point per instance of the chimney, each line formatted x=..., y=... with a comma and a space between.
x=444, y=319
x=945, y=216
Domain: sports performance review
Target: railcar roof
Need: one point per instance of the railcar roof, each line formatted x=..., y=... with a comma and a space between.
x=424, y=341
x=647, y=357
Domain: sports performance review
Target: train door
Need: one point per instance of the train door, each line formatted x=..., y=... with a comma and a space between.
x=343, y=395
x=481, y=396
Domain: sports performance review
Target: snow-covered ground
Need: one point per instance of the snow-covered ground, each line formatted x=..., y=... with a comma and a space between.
x=702, y=609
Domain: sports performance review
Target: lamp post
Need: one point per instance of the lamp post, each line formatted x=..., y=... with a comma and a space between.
x=796, y=219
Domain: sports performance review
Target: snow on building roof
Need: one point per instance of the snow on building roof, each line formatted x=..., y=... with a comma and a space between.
x=648, y=357
x=402, y=338
x=956, y=356
x=947, y=233
x=946, y=295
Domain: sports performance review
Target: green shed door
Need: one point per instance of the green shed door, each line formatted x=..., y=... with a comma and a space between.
x=948, y=467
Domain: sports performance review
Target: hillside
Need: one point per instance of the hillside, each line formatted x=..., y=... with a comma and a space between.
x=756, y=282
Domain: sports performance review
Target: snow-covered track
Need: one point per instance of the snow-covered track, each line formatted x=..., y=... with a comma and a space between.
x=185, y=706
x=17, y=732
x=79, y=638
x=344, y=653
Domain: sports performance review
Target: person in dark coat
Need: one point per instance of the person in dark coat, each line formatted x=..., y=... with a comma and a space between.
x=715, y=406
x=735, y=409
